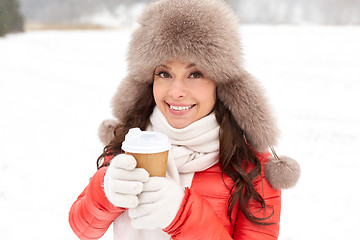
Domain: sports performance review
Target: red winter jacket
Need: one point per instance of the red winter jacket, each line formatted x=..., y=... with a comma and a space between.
x=202, y=215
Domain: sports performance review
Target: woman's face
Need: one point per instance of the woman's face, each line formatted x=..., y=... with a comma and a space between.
x=183, y=93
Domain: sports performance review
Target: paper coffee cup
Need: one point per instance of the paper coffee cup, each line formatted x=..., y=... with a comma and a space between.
x=150, y=149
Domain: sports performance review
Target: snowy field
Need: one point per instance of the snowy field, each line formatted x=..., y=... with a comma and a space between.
x=56, y=87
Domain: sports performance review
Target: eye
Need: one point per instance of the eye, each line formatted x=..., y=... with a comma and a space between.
x=163, y=74
x=196, y=75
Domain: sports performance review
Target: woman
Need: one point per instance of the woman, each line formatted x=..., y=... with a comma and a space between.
x=186, y=80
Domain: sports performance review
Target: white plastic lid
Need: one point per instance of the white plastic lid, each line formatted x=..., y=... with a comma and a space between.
x=137, y=141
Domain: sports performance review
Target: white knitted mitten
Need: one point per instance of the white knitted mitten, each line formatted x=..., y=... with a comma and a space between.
x=123, y=182
x=159, y=203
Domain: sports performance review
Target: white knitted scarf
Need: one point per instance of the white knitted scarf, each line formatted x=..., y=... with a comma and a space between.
x=194, y=149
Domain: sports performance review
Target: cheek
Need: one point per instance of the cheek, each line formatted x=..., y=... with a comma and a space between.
x=211, y=101
x=209, y=94
x=206, y=96
x=158, y=91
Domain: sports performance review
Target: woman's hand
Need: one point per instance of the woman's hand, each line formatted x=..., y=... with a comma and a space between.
x=159, y=203
x=123, y=182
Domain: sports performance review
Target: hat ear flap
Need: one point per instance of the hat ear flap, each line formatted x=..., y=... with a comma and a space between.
x=125, y=98
x=246, y=101
x=128, y=94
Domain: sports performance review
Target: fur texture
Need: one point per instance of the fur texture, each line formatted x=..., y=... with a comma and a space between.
x=106, y=130
x=204, y=33
x=283, y=172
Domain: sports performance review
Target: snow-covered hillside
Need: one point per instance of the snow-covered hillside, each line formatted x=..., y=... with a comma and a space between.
x=56, y=88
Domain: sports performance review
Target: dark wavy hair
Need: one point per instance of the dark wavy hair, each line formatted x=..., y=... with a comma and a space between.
x=235, y=155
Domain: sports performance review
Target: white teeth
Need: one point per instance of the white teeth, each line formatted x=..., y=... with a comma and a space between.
x=176, y=108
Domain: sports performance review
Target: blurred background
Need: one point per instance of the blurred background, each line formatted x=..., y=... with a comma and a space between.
x=61, y=61
x=250, y=11
x=114, y=13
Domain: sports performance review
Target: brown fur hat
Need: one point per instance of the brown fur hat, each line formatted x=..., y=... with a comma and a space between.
x=204, y=33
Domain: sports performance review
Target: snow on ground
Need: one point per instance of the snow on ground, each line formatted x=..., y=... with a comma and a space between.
x=56, y=88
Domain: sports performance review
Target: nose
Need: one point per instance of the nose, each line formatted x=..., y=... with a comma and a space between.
x=178, y=88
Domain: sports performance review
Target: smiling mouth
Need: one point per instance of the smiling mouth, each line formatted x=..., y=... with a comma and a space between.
x=181, y=108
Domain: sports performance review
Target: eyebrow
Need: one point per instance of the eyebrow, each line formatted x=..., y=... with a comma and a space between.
x=162, y=65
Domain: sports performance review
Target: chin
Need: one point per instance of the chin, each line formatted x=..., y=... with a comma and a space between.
x=178, y=125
